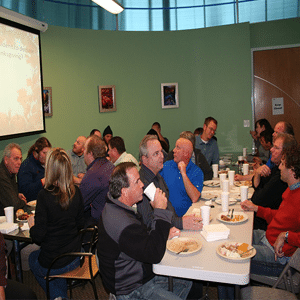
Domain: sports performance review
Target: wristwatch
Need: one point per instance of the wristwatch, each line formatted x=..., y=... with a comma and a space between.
x=286, y=237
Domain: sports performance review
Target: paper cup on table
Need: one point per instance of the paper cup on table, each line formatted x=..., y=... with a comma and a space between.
x=222, y=177
x=9, y=214
x=215, y=168
x=150, y=191
x=245, y=169
x=225, y=201
x=244, y=192
x=231, y=177
x=225, y=186
x=205, y=214
x=245, y=152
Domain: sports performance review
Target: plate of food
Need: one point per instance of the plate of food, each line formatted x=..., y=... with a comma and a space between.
x=22, y=216
x=184, y=245
x=237, y=217
x=244, y=183
x=236, y=251
x=232, y=201
x=209, y=195
x=32, y=203
x=212, y=183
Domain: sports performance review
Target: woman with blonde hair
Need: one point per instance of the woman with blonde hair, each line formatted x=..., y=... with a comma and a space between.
x=58, y=218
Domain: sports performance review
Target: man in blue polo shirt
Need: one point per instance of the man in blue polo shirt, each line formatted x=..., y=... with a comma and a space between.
x=183, y=178
x=207, y=143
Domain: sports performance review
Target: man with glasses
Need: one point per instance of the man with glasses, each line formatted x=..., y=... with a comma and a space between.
x=267, y=183
x=206, y=143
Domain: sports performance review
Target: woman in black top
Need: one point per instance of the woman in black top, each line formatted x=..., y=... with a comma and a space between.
x=58, y=218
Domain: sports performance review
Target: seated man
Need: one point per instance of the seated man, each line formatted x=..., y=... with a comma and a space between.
x=96, y=132
x=183, y=178
x=77, y=159
x=282, y=237
x=127, y=249
x=117, y=152
x=94, y=184
x=266, y=140
x=31, y=176
x=9, y=167
x=163, y=140
x=206, y=143
x=268, y=187
x=152, y=162
x=197, y=157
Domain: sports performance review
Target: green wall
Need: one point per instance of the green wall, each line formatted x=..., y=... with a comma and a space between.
x=212, y=67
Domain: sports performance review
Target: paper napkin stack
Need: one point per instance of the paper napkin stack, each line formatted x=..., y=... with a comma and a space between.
x=8, y=227
x=214, y=232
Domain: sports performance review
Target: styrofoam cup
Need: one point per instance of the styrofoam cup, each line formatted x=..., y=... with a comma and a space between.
x=9, y=214
x=150, y=191
x=245, y=169
x=225, y=201
x=215, y=168
x=244, y=192
x=225, y=186
x=231, y=177
x=205, y=214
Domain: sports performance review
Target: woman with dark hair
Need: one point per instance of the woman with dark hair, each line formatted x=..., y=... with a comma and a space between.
x=58, y=219
x=32, y=171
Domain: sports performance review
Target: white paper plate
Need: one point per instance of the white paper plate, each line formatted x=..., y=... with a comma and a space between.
x=212, y=183
x=177, y=245
x=205, y=195
x=232, y=201
x=32, y=203
x=238, y=217
x=246, y=256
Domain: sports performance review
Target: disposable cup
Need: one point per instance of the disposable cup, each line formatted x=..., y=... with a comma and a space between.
x=215, y=168
x=245, y=152
x=231, y=177
x=245, y=169
x=222, y=177
x=244, y=192
x=205, y=214
x=9, y=214
x=225, y=201
x=225, y=186
x=150, y=191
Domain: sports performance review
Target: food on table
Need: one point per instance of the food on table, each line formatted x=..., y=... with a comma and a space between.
x=234, y=250
x=244, y=183
x=181, y=245
x=32, y=203
x=19, y=212
x=22, y=216
x=223, y=172
x=236, y=218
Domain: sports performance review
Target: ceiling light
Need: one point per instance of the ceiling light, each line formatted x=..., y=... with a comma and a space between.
x=110, y=5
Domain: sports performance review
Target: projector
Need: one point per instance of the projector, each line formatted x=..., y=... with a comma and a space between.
x=21, y=19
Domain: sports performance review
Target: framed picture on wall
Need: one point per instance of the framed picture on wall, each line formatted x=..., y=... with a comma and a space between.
x=107, y=98
x=169, y=95
x=47, y=101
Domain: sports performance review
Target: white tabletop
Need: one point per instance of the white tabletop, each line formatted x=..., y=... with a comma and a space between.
x=206, y=264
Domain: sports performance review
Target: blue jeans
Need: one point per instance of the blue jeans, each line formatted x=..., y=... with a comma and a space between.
x=157, y=289
x=57, y=287
x=264, y=261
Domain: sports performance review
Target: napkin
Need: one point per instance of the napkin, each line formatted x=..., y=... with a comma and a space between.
x=8, y=227
x=214, y=232
x=25, y=226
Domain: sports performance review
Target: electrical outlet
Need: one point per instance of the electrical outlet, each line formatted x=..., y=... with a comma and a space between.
x=246, y=123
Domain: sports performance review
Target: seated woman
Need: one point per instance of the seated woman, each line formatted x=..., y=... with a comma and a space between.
x=58, y=218
x=32, y=171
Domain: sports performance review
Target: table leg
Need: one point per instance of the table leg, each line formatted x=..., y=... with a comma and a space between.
x=170, y=281
x=17, y=250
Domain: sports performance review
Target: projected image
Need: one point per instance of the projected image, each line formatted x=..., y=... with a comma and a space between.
x=47, y=101
x=21, y=107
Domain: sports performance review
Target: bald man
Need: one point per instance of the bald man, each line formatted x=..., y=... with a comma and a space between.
x=77, y=159
x=184, y=179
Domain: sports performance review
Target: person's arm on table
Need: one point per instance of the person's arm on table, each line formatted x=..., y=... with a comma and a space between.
x=191, y=190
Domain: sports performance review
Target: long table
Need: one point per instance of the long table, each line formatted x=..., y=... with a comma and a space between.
x=206, y=264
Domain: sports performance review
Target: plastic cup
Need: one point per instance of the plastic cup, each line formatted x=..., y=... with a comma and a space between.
x=244, y=192
x=231, y=177
x=205, y=214
x=245, y=152
x=225, y=185
x=245, y=169
x=222, y=177
x=225, y=201
x=9, y=214
x=215, y=168
x=150, y=191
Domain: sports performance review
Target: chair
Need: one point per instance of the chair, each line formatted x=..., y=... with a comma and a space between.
x=289, y=279
x=87, y=269
x=283, y=287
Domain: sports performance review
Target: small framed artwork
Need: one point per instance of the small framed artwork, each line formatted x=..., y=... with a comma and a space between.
x=169, y=95
x=107, y=98
x=47, y=101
